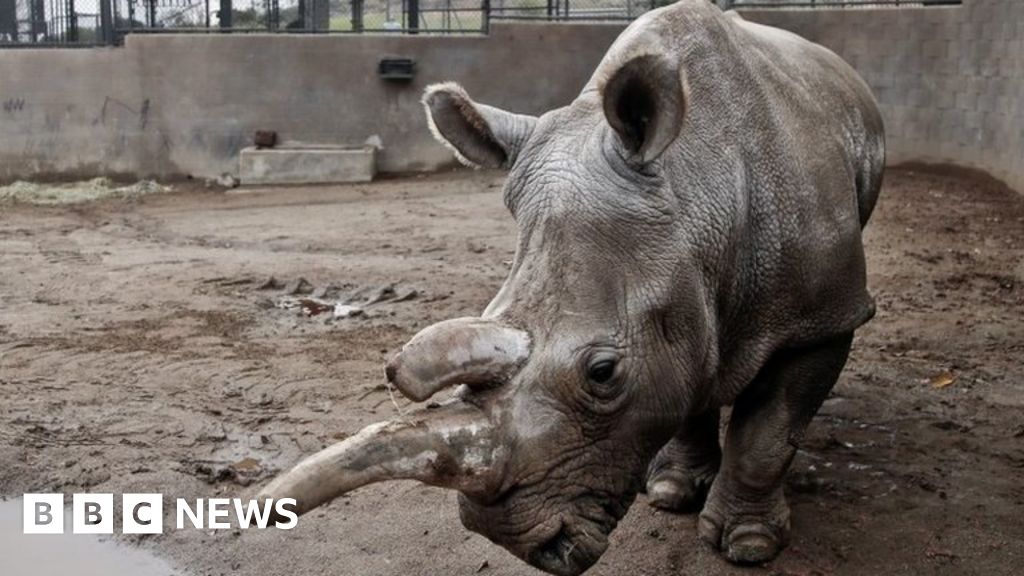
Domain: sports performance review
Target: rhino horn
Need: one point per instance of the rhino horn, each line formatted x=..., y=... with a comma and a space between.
x=451, y=446
x=470, y=351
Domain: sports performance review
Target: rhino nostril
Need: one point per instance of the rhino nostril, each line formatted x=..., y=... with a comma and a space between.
x=613, y=508
x=563, y=555
x=556, y=551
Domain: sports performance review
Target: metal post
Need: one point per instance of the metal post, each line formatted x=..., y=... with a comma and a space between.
x=414, y=17
x=321, y=14
x=224, y=14
x=131, y=16
x=107, y=22
x=485, y=16
x=357, y=15
x=9, y=20
x=273, y=20
x=72, y=33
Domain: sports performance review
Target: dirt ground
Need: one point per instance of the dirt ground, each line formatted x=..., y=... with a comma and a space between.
x=142, y=349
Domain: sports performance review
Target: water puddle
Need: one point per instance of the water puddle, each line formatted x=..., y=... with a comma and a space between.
x=69, y=554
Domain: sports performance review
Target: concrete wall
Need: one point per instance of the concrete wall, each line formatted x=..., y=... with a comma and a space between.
x=950, y=81
x=186, y=104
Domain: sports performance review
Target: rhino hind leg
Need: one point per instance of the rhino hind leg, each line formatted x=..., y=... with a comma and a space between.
x=746, y=516
x=680, y=476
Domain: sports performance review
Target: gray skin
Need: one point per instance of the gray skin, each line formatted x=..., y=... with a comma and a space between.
x=689, y=239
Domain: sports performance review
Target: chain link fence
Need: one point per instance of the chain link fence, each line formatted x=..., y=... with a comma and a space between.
x=105, y=22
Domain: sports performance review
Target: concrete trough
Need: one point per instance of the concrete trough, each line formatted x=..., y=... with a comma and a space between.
x=307, y=165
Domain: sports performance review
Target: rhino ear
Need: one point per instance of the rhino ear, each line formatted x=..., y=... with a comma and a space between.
x=644, y=101
x=479, y=135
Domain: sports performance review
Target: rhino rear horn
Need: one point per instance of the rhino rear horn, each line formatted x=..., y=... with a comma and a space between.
x=470, y=351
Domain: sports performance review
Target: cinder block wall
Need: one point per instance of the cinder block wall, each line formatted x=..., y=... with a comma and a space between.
x=950, y=80
x=176, y=105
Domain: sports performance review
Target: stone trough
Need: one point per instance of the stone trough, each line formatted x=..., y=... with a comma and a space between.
x=307, y=164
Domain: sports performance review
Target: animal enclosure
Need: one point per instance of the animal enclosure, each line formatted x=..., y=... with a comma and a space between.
x=606, y=342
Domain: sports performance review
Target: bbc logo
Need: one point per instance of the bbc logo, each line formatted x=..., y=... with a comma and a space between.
x=93, y=514
x=144, y=513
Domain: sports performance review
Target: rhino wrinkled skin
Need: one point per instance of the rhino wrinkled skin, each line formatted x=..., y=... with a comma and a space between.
x=689, y=239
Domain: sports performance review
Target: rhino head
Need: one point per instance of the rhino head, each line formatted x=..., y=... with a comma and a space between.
x=578, y=371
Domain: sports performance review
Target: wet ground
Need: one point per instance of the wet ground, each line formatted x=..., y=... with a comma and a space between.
x=144, y=348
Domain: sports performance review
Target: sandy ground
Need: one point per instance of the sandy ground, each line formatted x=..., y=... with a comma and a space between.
x=139, y=353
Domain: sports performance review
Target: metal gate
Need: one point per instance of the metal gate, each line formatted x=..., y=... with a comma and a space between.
x=54, y=22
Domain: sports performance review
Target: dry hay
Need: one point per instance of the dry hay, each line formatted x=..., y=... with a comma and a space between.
x=75, y=192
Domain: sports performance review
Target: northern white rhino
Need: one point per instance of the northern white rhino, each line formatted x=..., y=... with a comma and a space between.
x=689, y=239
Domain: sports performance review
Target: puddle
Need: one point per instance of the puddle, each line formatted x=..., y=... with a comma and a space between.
x=69, y=554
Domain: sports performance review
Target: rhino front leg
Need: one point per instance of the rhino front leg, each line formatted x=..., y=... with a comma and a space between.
x=680, y=475
x=746, y=515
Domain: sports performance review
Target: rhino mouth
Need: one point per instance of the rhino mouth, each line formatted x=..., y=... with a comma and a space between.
x=563, y=539
x=566, y=555
x=581, y=539
x=561, y=555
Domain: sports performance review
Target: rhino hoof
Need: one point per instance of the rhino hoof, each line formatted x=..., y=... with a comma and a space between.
x=678, y=492
x=751, y=544
x=747, y=543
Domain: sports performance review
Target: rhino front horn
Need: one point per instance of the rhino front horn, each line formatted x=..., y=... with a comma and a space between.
x=451, y=446
x=470, y=351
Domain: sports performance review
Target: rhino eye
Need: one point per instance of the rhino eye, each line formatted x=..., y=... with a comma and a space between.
x=601, y=371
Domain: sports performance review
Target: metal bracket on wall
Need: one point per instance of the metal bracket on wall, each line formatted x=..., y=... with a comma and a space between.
x=397, y=69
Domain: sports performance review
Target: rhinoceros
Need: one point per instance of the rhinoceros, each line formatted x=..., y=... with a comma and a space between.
x=689, y=241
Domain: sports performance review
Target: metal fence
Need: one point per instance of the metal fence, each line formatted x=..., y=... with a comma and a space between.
x=52, y=22
x=593, y=10
x=106, y=22
x=840, y=3
x=300, y=16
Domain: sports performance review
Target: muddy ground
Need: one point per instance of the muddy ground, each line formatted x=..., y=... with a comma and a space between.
x=142, y=350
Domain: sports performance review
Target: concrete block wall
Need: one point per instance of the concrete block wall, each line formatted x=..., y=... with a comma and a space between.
x=950, y=80
x=176, y=105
